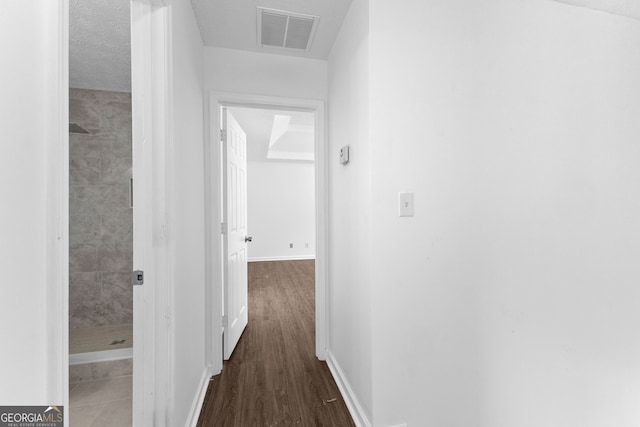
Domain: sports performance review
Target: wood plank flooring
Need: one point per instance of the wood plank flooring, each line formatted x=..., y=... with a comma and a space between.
x=273, y=377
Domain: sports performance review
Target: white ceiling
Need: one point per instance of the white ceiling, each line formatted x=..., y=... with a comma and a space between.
x=629, y=8
x=233, y=23
x=100, y=45
x=276, y=134
x=100, y=39
x=100, y=42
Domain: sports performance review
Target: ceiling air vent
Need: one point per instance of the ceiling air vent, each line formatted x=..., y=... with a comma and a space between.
x=277, y=28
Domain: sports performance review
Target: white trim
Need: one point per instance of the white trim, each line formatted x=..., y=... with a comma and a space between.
x=290, y=155
x=151, y=97
x=58, y=209
x=322, y=232
x=143, y=379
x=213, y=215
x=213, y=244
x=350, y=399
x=281, y=258
x=164, y=213
x=171, y=206
x=196, y=406
x=100, y=356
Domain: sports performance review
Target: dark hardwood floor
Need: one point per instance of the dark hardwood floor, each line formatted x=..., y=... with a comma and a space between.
x=273, y=377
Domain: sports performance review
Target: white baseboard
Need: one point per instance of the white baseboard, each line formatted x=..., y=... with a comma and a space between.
x=196, y=406
x=350, y=399
x=281, y=258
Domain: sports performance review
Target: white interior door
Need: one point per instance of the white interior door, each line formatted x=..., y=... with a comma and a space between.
x=234, y=142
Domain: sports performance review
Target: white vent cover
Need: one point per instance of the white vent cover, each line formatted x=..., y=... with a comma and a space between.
x=278, y=28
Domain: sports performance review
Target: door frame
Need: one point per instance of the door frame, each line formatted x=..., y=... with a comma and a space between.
x=213, y=199
x=58, y=207
x=152, y=126
x=151, y=110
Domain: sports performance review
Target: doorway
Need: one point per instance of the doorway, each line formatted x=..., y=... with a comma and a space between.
x=215, y=180
x=268, y=199
x=280, y=183
x=100, y=255
x=150, y=99
x=100, y=214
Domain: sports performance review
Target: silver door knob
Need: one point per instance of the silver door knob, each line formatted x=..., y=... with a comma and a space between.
x=248, y=239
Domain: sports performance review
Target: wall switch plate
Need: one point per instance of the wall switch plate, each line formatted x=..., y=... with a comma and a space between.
x=406, y=204
x=344, y=155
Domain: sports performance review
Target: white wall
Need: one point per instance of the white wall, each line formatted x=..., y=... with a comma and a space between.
x=350, y=205
x=511, y=298
x=281, y=210
x=230, y=70
x=29, y=104
x=187, y=212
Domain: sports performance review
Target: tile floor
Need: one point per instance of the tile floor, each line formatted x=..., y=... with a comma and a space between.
x=101, y=403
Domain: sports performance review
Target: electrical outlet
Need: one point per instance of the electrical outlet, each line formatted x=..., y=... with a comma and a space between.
x=290, y=245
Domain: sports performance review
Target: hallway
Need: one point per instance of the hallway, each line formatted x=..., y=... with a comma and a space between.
x=273, y=377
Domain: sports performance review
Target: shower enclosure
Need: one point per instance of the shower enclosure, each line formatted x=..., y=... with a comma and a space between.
x=100, y=234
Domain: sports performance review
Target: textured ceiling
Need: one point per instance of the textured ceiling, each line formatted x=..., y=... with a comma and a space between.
x=629, y=8
x=232, y=23
x=100, y=45
x=296, y=143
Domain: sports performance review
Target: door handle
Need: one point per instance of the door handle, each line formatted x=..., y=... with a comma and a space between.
x=248, y=239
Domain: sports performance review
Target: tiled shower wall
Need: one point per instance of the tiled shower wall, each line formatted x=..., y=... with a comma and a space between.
x=100, y=216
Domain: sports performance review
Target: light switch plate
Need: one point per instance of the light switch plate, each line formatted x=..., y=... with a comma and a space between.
x=406, y=204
